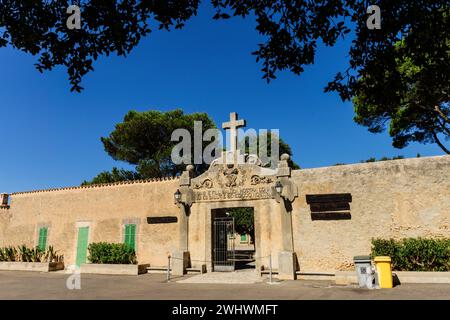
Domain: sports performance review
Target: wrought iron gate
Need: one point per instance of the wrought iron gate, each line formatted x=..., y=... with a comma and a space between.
x=223, y=240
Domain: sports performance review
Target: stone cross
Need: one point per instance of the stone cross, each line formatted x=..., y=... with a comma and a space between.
x=233, y=125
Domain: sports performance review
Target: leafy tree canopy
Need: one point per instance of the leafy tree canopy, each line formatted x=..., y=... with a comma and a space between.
x=266, y=144
x=143, y=140
x=115, y=175
x=398, y=74
x=292, y=29
x=243, y=221
x=411, y=96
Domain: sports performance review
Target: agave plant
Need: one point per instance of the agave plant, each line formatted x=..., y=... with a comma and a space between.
x=13, y=254
x=52, y=256
x=35, y=254
x=25, y=254
x=8, y=254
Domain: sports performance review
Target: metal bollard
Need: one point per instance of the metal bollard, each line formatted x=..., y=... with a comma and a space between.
x=168, y=269
x=270, y=268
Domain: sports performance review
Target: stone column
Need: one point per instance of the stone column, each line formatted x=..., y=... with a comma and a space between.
x=287, y=260
x=286, y=227
x=180, y=258
x=183, y=228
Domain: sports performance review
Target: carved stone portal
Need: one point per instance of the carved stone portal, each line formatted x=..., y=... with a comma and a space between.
x=235, y=177
x=234, y=182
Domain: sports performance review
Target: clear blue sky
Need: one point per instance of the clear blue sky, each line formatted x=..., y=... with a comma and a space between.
x=50, y=137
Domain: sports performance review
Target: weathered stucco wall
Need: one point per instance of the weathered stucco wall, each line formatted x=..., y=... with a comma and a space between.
x=105, y=209
x=401, y=198
x=391, y=199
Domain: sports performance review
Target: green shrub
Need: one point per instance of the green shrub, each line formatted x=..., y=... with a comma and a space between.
x=111, y=253
x=415, y=254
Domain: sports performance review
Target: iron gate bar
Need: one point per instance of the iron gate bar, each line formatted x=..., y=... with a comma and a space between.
x=224, y=251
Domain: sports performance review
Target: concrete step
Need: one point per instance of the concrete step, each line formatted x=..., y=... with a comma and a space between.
x=315, y=275
x=201, y=269
x=241, y=260
x=305, y=275
x=156, y=269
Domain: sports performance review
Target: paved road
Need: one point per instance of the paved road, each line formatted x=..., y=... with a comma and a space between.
x=31, y=285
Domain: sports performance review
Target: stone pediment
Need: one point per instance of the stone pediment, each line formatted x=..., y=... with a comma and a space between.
x=224, y=176
x=236, y=176
x=234, y=182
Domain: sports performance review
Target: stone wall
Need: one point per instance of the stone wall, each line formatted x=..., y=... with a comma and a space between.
x=401, y=198
x=105, y=209
x=391, y=199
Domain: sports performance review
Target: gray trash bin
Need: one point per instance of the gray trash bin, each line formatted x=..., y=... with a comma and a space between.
x=363, y=267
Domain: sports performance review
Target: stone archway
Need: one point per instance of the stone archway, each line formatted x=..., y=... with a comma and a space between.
x=230, y=183
x=264, y=212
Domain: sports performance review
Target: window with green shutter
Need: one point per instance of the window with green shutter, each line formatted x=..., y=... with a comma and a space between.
x=243, y=238
x=130, y=235
x=42, y=242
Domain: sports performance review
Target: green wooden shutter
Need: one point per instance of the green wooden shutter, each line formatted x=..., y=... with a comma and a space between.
x=82, y=244
x=130, y=235
x=42, y=243
x=127, y=234
x=125, y=239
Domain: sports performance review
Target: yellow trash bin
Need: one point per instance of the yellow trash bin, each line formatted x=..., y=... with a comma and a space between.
x=383, y=266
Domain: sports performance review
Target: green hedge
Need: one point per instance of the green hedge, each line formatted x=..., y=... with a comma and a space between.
x=415, y=254
x=111, y=253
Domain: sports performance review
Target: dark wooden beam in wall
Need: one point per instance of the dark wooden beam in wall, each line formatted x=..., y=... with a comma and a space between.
x=340, y=215
x=158, y=220
x=331, y=206
x=327, y=198
x=334, y=206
